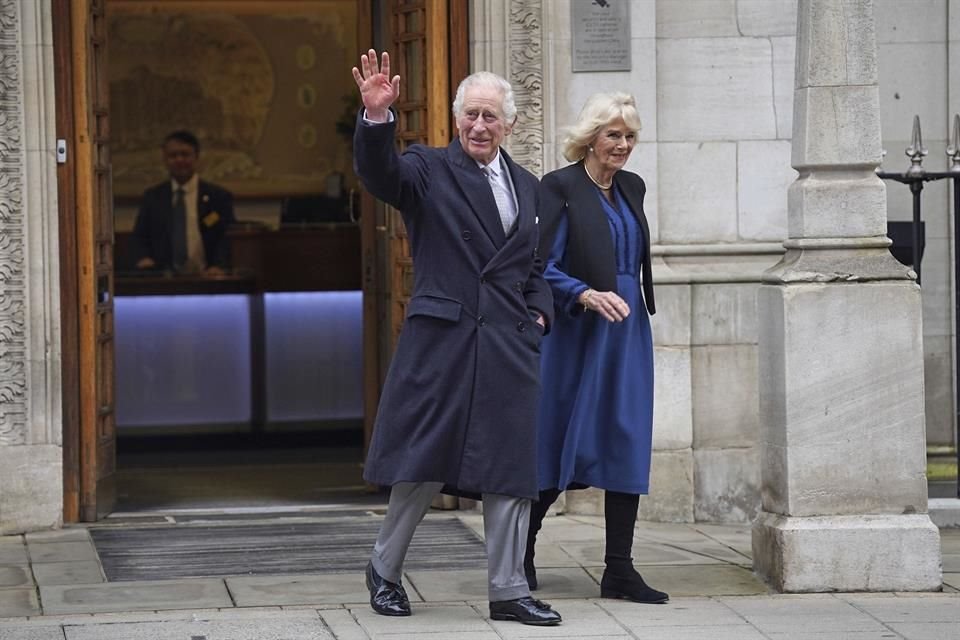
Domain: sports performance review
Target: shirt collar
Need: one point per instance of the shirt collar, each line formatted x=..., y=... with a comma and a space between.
x=494, y=165
x=190, y=186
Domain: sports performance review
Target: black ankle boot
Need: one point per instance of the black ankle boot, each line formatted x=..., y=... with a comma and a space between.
x=537, y=512
x=629, y=585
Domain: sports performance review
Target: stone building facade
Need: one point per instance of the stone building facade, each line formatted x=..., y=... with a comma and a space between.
x=714, y=81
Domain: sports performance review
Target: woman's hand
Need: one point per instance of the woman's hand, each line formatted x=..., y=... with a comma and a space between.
x=607, y=303
x=377, y=90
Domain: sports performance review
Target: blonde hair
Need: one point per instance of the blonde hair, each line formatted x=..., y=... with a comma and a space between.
x=600, y=110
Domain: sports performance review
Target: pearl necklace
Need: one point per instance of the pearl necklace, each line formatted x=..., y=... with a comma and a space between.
x=599, y=186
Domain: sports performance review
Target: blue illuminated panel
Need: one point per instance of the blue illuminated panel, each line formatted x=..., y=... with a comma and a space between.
x=314, y=351
x=182, y=360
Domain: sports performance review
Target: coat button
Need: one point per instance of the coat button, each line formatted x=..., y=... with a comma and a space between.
x=483, y=280
x=519, y=286
x=521, y=326
x=481, y=321
x=466, y=235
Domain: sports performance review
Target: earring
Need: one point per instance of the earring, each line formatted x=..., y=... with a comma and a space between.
x=590, y=149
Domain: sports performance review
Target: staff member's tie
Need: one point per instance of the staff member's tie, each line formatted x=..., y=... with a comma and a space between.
x=504, y=200
x=179, y=229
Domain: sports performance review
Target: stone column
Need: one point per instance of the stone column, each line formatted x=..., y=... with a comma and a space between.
x=844, y=495
x=31, y=458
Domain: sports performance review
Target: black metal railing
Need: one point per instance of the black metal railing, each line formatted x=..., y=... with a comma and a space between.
x=915, y=177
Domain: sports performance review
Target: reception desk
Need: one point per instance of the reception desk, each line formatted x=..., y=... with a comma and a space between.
x=275, y=344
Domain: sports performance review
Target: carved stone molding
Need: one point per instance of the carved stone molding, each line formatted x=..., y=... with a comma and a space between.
x=525, y=47
x=13, y=338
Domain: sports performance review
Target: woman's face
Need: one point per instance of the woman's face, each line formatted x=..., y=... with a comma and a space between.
x=613, y=145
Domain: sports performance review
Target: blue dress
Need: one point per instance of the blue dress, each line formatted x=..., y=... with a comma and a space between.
x=595, y=424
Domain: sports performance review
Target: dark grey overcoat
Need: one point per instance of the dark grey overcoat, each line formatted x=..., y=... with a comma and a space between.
x=460, y=399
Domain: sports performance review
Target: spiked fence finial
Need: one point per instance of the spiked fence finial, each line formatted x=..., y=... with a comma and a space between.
x=916, y=151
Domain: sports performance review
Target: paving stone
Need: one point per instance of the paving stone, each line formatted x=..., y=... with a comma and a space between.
x=679, y=612
x=30, y=632
x=60, y=535
x=909, y=608
x=884, y=634
x=951, y=561
x=13, y=551
x=448, y=586
x=307, y=590
x=449, y=619
x=51, y=573
x=440, y=635
x=62, y=552
x=19, y=601
x=552, y=555
x=15, y=576
x=732, y=632
x=812, y=613
x=135, y=596
x=698, y=580
x=271, y=629
x=952, y=579
x=927, y=630
x=343, y=625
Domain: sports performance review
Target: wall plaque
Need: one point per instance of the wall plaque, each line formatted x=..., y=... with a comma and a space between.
x=601, y=35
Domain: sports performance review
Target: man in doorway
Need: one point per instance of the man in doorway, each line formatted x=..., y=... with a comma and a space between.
x=182, y=223
x=459, y=403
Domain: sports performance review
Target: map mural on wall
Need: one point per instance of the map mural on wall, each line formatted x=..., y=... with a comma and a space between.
x=262, y=91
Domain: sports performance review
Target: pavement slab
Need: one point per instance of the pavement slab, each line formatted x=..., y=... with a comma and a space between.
x=313, y=590
x=13, y=551
x=84, y=572
x=27, y=632
x=19, y=601
x=74, y=551
x=698, y=580
x=591, y=555
x=15, y=576
x=343, y=625
x=927, y=631
x=276, y=627
x=679, y=612
x=452, y=619
x=135, y=596
x=447, y=586
x=811, y=613
x=59, y=535
x=909, y=608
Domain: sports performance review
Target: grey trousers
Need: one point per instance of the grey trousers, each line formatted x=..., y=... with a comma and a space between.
x=505, y=521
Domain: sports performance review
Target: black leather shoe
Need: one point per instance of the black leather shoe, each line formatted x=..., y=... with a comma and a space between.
x=387, y=598
x=530, y=572
x=630, y=587
x=526, y=611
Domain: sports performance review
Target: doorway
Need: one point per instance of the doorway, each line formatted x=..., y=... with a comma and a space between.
x=255, y=451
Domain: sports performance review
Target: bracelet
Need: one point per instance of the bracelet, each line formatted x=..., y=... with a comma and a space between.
x=586, y=298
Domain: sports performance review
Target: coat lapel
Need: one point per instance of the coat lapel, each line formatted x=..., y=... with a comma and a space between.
x=476, y=192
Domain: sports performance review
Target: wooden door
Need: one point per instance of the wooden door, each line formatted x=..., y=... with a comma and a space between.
x=86, y=235
x=427, y=42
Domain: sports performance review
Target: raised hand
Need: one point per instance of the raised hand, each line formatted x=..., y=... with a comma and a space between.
x=377, y=89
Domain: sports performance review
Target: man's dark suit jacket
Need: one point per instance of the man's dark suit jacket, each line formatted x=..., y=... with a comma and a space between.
x=152, y=230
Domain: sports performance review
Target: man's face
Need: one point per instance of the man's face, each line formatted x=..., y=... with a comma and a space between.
x=481, y=124
x=181, y=160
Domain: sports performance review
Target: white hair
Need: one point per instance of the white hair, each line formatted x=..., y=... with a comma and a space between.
x=488, y=79
x=600, y=110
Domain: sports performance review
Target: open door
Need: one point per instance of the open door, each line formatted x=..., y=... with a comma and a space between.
x=86, y=236
x=427, y=42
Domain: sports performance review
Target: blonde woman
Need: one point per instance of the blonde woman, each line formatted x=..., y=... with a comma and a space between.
x=595, y=422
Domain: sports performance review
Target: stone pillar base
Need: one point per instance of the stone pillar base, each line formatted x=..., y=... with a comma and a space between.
x=31, y=488
x=847, y=553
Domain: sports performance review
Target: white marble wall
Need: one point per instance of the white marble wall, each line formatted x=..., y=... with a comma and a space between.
x=916, y=47
x=31, y=484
